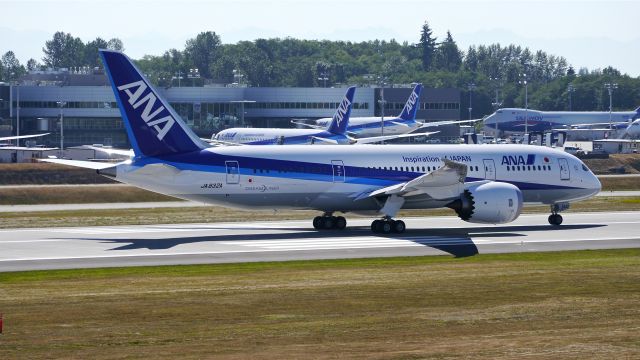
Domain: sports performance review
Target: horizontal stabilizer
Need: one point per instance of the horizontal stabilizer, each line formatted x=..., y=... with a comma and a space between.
x=376, y=139
x=80, y=163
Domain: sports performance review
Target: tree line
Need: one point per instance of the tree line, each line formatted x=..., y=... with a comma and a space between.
x=494, y=75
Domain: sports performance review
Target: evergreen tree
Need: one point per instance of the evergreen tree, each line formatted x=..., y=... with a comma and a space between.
x=448, y=56
x=12, y=68
x=32, y=65
x=63, y=50
x=428, y=44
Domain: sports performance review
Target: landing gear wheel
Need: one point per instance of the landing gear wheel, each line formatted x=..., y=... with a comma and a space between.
x=376, y=226
x=340, y=223
x=328, y=222
x=399, y=227
x=317, y=222
x=555, y=219
x=386, y=226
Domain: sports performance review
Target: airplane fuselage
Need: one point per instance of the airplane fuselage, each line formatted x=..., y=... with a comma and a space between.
x=371, y=126
x=329, y=178
x=513, y=119
x=267, y=136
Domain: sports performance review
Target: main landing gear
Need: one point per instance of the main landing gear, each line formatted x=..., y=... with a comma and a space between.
x=555, y=219
x=388, y=225
x=327, y=222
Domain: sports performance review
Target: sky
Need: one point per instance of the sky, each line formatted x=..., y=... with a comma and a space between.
x=592, y=34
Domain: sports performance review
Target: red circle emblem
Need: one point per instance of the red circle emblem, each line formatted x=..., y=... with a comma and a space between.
x=546, y=159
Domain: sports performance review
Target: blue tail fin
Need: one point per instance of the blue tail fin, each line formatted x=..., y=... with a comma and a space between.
x=340, y=120
x=411, y=107
x=152, y=125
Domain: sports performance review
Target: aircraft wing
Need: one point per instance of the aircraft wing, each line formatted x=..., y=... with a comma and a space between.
x=307, y=125
x=447, y=122
x=79, y=163
x=400, y=124
x=325, y=140
x=22, y=137
x=442, y=184
x=123, y=152
x=375, y=139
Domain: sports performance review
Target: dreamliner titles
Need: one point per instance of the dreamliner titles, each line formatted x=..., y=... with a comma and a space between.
x=161, y=125
x=417, y=159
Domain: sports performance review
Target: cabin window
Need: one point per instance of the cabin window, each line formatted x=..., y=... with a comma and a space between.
x=518, y=168
x=423, y=169
x=396, y=168
x=508, y=168
x=254, y=171
x=412, y=168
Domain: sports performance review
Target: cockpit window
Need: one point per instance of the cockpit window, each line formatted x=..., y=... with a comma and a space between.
x=584, y=167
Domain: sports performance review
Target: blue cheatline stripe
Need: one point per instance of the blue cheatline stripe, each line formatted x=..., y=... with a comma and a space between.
x=285, y=169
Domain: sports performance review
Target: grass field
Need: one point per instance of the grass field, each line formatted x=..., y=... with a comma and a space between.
x=568, y=305
x=218, y=214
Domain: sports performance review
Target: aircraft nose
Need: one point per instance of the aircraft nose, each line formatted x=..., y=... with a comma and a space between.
x=594, y=184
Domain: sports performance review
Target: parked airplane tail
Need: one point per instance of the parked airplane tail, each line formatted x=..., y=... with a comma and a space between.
x=152, y=125
x=411, y=107
x=637, y=115
x=340, y=120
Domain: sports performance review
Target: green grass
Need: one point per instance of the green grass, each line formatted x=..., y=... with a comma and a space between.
x=574, y=305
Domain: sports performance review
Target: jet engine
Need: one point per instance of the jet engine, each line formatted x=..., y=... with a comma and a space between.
x=489, y=203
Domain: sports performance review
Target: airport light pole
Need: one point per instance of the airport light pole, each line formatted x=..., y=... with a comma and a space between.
x=61, y=105
x=610, y=87
x=470, y=86
x=178, y=76
x=193, y=75
x=237, y=77
x=497, y=104
x=383, y=103
x=570, y=90
x=324, y=77
x=524, y=82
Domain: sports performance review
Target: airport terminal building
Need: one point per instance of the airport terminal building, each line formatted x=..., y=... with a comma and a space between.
x=91, y=116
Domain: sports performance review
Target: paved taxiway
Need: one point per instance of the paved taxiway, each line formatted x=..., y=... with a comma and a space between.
x=54, y=248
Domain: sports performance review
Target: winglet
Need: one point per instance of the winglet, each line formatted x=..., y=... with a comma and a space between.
x=340, y=120
x=152, y=125
x=413, y=102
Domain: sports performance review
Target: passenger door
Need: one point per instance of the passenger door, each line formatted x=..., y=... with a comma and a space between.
x=489, y=169
x=233, y=172
x=565, y=172
x=338, y=170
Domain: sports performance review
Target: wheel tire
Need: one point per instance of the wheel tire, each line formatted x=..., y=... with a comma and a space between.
x=376, y=226
x=399, y=226
x=340, y=223
x=317, y=222
x=328, y=222
x=386, y=227
x=558, y=219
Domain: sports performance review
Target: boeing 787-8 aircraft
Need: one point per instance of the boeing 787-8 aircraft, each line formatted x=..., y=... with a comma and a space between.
x=482, y=183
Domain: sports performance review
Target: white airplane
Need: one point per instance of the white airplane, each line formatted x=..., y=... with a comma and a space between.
x=483, y=183
x=620, y=130
x=334, y=134
x=394, y=125
x=513, y=119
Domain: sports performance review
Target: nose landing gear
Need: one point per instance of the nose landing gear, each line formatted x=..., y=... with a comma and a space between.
x=555, y=218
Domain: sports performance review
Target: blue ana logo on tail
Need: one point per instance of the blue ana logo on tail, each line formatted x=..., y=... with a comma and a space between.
x=411, y=106
x=340, y=120
x=161, y=125
x=153, y=127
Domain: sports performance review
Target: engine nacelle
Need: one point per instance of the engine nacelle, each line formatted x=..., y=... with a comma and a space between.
x=489, y=203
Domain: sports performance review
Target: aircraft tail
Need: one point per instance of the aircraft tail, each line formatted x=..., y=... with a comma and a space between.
x=340, y=120
x=411, y=107
x=637, y=115
x=152, y=125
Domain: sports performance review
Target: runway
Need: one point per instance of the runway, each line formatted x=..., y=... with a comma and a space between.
x=84, y=247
